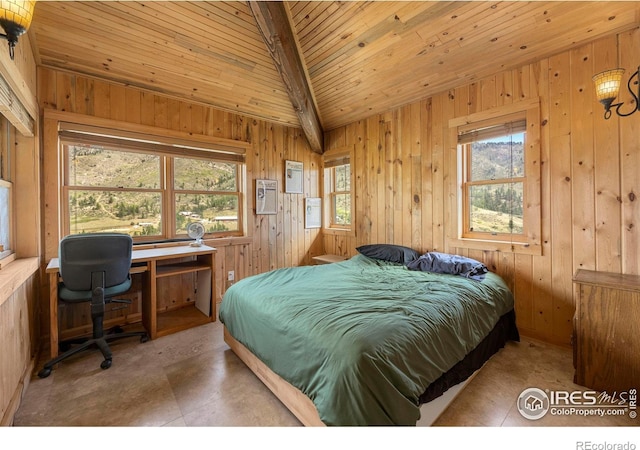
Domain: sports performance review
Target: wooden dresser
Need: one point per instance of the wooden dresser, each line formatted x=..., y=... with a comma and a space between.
x=607, y=331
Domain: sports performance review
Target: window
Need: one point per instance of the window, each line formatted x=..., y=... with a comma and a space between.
x=337, y=188
x=206, y=191
x=493, y=181
x=5, y=219
x=148, y=190
x=6, y=191
x=340, y=195
x=499, y=180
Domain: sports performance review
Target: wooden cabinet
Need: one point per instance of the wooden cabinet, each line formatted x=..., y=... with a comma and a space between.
x=607, y=331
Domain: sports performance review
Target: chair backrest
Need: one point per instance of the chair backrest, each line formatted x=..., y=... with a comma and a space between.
x=82, y=254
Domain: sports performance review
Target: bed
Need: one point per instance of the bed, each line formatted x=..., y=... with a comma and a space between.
x=365, y=341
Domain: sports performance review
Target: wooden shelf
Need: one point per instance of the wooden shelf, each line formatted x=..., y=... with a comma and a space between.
x=180, y=268
x=180, y=319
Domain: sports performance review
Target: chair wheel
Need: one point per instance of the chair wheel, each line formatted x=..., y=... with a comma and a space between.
x=44, y=373
x=144, y=338
x=104, y=365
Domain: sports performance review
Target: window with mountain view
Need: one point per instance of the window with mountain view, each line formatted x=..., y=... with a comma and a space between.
x=340, y=196
x=499, y=179
x=493, y=187
x=337, y=188
x=148, y=195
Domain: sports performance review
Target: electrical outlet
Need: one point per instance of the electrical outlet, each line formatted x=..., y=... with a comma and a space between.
x=231, y=275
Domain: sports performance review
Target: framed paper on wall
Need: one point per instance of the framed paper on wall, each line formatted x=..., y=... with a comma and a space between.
x=313, y=212
x=293, y=177
x=266, y=196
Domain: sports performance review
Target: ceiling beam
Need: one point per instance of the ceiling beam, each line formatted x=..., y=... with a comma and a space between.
x=275, y=28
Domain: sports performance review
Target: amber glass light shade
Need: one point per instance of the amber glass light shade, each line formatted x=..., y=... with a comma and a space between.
x=15, y=18
x=608, y=85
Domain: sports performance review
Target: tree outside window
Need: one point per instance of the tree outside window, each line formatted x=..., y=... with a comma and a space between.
x=498, y=165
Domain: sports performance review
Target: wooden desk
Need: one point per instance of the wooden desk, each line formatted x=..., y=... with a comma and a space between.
x=146, y=262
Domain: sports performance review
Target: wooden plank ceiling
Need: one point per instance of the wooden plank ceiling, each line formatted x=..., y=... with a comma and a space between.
x=360, y=58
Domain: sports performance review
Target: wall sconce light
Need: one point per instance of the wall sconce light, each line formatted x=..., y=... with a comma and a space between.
x=15, y=18
x=608, y=86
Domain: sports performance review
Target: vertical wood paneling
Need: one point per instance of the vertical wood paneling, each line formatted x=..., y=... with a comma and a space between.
x=18, y=320
x=133, y=105
x=551, y=316
x=541, y=289
x=607, y=175
x=582, y=106
x=439, y=136
x=589, y=172
x=118, y=108
x=423, y=177
x=629, y=49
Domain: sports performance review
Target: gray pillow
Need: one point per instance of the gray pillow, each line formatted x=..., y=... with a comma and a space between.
x=389, y=252
x=450, y=264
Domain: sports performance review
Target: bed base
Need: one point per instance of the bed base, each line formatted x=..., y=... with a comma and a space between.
x=299, y=404
x=303, y=408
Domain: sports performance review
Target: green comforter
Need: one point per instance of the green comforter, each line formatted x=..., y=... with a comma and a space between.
x=362, y=338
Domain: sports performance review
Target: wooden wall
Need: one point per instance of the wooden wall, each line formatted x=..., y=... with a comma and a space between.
x=18, y=336
x=19, y=280
x=405, y=171
x=272, y=241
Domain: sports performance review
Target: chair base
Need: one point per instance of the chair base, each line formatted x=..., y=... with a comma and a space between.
x=100, y=342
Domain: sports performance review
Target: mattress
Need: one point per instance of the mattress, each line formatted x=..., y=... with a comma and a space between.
x=364, y=339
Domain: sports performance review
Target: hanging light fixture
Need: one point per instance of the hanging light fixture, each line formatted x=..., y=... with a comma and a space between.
x=15, y=18
x=607, y=89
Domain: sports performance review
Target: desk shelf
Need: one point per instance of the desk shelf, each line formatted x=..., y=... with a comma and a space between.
x=180, y=268
x=180, y=319
x=171, y=312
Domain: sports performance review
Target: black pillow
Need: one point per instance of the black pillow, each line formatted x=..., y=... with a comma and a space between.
x=389, y=252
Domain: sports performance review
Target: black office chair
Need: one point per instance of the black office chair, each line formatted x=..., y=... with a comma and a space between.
x=94, y=268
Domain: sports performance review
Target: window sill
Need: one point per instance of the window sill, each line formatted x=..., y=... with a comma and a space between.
x=212, y=242
x=338, y=231
x=6, y=257
x=496, y=246
x=14, y=275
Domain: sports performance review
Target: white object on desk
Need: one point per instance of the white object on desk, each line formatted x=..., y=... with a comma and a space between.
x=195, y=230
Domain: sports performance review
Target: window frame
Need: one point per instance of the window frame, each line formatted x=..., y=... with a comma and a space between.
x=333, y=195
x=468, y=183
x=9, y=252
x=167, y=145
x=331, y=160
x=173, y=191
x=529, y=242
x=6, y=182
